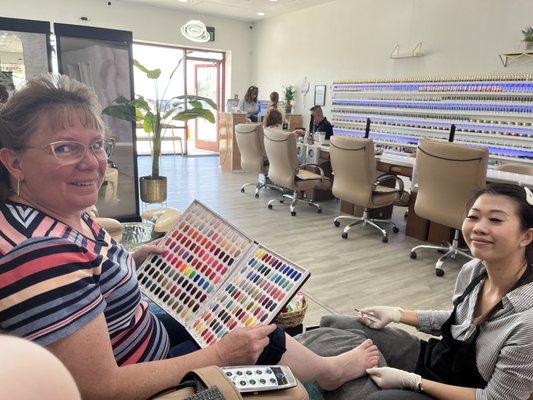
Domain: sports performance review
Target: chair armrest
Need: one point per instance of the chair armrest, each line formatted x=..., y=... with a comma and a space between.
x=312, y=165
x=388, y=176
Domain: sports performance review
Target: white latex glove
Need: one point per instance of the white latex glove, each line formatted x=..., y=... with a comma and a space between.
x=393, y=378
x=383, y=316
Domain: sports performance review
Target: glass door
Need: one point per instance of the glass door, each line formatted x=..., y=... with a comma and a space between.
x=204, y=77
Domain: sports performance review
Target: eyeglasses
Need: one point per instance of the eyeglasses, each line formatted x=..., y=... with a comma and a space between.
x=71, y=152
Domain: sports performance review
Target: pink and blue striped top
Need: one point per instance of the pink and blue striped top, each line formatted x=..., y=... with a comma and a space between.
x=54, y=281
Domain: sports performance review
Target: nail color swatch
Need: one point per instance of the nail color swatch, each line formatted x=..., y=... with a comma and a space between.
x=214, y=278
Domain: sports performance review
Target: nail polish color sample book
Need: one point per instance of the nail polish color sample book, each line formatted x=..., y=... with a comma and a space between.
x=214, y=278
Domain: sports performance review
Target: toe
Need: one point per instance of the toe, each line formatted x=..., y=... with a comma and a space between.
x=366, y=344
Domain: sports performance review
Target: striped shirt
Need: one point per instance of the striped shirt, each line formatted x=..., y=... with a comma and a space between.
x=504, y=346
x=54, y=281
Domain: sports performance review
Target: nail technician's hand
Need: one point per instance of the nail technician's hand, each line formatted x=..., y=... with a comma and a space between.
x=384, y=315
x=393, y=378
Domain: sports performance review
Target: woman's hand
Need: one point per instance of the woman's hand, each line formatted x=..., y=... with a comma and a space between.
x=146, y=250
x=393, y=378
x=243, y=345
x=383, y=316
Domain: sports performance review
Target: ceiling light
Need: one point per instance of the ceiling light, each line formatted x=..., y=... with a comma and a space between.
x=196, y=31
x=273, y=0
x=186, y=1
x=260, y=13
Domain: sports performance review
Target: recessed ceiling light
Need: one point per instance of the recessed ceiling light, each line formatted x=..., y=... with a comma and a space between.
x=183, y=1
x=273, y=0
x=260, y=13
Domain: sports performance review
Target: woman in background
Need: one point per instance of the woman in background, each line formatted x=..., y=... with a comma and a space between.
x=273, y=119
x=274, y=105
x=249, y=104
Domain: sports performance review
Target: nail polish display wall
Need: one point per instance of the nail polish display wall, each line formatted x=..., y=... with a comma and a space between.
x=492, y=111
x=213, y=278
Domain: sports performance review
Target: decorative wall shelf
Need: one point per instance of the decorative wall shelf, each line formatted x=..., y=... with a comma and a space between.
x=416, y=52
x=520, y=57
x=496, y=112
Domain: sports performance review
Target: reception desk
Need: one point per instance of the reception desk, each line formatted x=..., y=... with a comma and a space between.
x=230, y=157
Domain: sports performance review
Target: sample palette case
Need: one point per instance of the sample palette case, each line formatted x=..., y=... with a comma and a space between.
x=214, y=278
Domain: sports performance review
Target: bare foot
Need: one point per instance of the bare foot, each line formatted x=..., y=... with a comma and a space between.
x=349, y=365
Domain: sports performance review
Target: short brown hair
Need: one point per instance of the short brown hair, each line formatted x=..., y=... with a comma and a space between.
x=273, y=118
x=274, y=97
x=47, y=103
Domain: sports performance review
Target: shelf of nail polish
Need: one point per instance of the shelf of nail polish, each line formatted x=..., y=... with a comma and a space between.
x=496, y=150
x=492, y=111
x=215, y=278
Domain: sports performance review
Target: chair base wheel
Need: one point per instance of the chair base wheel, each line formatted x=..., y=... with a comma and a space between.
x=413, y=255
x=242, y=190
x=270, y=206
x=385, y=239
x=395, y=229
x=336, y=223
x=319, y=211
x=281, y=201
x=293, y=213
x=439, y=272
x=257, y=195
x=344, y=235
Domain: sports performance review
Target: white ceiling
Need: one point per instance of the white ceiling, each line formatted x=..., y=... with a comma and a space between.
x=245, y=10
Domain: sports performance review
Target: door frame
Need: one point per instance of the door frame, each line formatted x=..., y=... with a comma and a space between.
x=204, y=144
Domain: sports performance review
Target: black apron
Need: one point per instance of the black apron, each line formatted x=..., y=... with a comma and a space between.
x=449, y=360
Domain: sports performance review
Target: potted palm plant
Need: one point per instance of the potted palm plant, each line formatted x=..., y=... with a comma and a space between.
x=289, y=92
x=528, y=38
x=155, y=117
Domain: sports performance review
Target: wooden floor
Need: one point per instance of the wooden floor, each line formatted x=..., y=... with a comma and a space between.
x=358, y=272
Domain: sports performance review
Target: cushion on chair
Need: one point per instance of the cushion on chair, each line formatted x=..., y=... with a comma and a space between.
x=384, y=190
x=305, y=175
x=166, y=220
x=111, y=226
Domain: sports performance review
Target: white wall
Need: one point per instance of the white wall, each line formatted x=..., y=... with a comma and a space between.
x=147, y=24
x=353, y=39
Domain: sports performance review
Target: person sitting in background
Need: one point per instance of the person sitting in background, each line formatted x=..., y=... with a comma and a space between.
x=249, y=105
x=486, y=349
x=319, y=123
x=273, y=119
x=274, y=104
x=67, y=285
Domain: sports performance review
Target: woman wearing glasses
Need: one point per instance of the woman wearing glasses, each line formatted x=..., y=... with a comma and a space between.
x=65, y=284
x=249, y=104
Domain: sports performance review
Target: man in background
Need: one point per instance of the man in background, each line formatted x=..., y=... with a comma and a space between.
x=319, y=123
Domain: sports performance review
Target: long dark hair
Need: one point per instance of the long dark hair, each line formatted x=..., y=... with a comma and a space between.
x=248, y=95
x=524, y=209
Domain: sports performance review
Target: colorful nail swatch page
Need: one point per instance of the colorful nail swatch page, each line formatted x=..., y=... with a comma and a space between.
x=214, y=278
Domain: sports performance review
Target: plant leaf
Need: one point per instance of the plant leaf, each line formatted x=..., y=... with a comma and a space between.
x=196, y=104
x=189, y=98
x=148, y=123
x=124, y=112
x=194, y=113
x=141, y=103
x=150, y=73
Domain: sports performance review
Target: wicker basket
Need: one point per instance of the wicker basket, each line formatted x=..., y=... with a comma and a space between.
x=292, y=318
